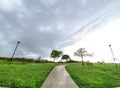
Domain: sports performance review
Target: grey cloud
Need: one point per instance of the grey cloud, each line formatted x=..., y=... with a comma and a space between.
x=41, y=25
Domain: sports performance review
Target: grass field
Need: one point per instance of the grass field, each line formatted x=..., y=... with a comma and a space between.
x=95, y=76
x=32, y=75
x=24, y=75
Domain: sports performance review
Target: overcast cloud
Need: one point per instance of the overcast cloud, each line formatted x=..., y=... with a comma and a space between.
x=43, y=25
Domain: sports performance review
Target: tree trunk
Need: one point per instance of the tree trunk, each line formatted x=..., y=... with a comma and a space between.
x=82, y=61
x=54, y=59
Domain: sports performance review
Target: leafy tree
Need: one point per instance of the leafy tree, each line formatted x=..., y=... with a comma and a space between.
x=82, y=53
x=55, y=54
x=66, y=57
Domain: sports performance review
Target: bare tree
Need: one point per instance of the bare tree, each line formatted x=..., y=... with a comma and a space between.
x=82, y=53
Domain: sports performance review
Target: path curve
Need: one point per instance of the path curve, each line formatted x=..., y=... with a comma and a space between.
x=59, y=78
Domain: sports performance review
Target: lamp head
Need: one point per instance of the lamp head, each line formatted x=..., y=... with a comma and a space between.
x=110, y=45
x=18, y=42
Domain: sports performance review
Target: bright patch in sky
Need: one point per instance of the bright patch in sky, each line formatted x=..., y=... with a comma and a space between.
x=97, y=43
x=9, y=5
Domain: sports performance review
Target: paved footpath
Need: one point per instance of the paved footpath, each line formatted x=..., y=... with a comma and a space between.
x=59, y=78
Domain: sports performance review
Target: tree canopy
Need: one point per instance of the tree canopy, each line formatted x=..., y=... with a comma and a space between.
x=65, y=57
x=56, y=54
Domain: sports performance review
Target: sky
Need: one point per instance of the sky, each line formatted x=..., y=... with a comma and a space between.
x=66, y=25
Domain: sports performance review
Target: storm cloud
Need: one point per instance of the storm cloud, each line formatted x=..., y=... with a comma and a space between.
x=41, y=25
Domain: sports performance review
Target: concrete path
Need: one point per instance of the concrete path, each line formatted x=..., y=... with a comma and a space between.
x=59, y=78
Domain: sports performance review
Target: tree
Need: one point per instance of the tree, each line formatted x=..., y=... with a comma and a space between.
x=38, y=59
x=55, y=54
x=82, y=53
x=66, y=57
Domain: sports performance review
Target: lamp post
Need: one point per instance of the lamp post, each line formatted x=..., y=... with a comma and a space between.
x=113, y=55
x=14, y=52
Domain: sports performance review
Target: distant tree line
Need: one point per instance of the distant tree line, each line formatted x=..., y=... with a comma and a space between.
x=23, y=59
x=54, y=54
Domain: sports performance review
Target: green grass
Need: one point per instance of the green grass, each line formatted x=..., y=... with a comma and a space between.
x=95, y=76
x=24, y=75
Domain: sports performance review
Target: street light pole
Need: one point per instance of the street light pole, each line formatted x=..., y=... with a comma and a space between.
x=113, y=55
x=14, y=52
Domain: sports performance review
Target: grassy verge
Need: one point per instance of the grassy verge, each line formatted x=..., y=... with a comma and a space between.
x=24, y=75
x=95, y=76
